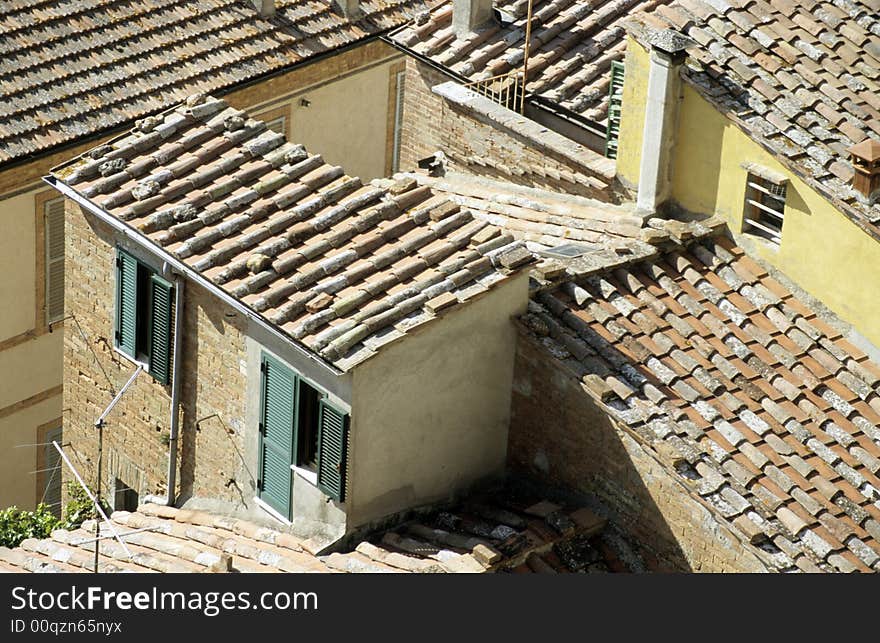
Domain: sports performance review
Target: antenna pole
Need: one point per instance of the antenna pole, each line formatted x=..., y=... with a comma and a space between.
x=100, y=426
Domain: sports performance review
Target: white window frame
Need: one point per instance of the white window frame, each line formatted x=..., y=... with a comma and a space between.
x=398, y=119
x=282, y=121
x=764, y=206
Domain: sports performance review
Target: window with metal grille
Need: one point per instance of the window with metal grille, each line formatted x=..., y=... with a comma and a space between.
x=278, y=125
x=615, y=103
x=764, y=207
x=53, y=218
x=300, y=429
x=143, y=315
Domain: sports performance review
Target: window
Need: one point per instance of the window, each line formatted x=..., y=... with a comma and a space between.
x=615, y=102
x=765, y=207
x=49, y=469
x=398, y=119
x=298, y=427
x=143, y=315
x=53, y=219
x=124, y=497
x=278, y=125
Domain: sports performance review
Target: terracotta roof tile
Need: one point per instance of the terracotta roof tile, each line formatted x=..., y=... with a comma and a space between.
x=70, y=69
x=573, y=45
x=276, y=228
x=808, y=470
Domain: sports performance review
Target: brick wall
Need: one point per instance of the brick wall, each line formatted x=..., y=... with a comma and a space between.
x=136, y=431
x=500, y=144
x=558, y=434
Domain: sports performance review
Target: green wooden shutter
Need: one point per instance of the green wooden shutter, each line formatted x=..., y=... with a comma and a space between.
x=126, y=302
x=161, y=296
x=615, y=102
x=278, y=404
x=54, y=230
x=332, y=451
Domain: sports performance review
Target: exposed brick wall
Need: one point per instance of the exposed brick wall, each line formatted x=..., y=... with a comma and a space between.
x=475, y=145
x=135, y=435
x=559, y=434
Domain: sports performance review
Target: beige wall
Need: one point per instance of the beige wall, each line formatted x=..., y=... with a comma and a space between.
x=431, y=412
x=17, y=264
x=30, y=358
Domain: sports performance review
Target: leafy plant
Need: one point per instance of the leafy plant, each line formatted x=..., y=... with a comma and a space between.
x=17, y=525
x=79, y=508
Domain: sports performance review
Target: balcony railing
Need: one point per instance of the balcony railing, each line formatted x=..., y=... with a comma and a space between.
x=504, y=89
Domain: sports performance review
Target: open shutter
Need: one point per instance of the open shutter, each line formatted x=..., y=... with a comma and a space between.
x=332, y=451
x=126, y=302
x=278, y=402
x=161, y=296
x=54, y=229
x=52, y=474
x=615, y=102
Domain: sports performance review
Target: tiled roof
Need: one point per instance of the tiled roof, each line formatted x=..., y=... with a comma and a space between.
x=481, y=536
x=759, y=406
x=70, y=68
x=572, y=46
x=803, y=78
x=341, y=267
x=542, y=218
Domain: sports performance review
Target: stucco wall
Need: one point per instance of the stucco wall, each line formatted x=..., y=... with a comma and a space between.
x=828, y=255
x=431, y=411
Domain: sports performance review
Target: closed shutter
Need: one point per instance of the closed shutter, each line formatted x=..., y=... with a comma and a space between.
x=615, y=103
x=54, y=230
x=332, y=451
x=52, y=475
x=126, y=303
x=398, y=120
x=161, y=295
x=278, y=403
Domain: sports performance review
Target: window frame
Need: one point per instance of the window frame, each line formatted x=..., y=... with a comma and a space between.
x=44, y=476
x=148, y=279
x=310, y=474
x=759, y=213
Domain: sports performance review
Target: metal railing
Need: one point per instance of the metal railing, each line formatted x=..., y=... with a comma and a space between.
x=506, y=90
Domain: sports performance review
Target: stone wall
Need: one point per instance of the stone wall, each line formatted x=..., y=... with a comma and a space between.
x=560, y=435
x=483, y=138
x=137, y=429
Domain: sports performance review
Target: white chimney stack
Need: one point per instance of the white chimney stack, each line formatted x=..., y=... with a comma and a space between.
x=265, y=7
x=351, y=9
x=661, y=116
x=469, y=15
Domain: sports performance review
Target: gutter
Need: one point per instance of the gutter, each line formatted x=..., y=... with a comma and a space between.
x=182, y=269
x=175, y=391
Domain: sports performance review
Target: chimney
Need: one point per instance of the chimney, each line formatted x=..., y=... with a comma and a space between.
x=865, y=157
x=265, y=7
x=469, y=15
x=351, y=9
x=661, y=117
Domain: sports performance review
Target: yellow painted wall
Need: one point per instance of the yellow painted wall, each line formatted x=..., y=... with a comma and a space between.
x=632, y=116
x=821, y=250
x=346, y=122
x=18, y=480
x=440, y=422
x=17, y=265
